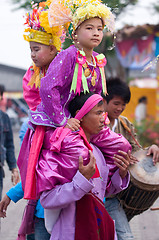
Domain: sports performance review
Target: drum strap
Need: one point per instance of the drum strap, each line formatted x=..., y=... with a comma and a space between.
x=130, y=132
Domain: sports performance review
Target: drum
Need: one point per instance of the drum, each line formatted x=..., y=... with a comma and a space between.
x=143, y=189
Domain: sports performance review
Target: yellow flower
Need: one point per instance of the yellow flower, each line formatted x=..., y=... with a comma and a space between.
x=44, y=22
x=80, y=11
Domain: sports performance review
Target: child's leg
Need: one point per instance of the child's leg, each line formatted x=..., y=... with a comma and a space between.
x=110, y=143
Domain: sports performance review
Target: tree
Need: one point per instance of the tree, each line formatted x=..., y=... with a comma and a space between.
x=26, y=4
x=116, y=5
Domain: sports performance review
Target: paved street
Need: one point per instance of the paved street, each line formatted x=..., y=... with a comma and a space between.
x=10, y=224
x=144, y=226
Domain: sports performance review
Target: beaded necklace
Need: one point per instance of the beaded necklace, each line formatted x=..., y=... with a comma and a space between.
x=88, y=71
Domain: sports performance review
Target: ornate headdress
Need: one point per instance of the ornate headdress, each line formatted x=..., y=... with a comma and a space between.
x=38, y=28
x=71, y=13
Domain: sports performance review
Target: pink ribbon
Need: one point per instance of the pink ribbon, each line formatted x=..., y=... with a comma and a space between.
x=88, y=105
x=80, y=59
x=101, y=62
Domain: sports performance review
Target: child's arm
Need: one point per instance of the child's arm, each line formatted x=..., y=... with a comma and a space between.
x=55, y=88
x=15, y=194
x=73, y=124
x=3, y=205
x=30, y=94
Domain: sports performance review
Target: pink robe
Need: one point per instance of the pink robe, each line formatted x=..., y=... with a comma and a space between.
x=30, y=94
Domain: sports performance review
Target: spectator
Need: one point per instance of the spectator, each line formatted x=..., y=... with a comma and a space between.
x=141, y=109
x=6, y=148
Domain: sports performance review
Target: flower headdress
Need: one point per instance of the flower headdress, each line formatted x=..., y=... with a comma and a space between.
x=71, y=13
x=38, y=28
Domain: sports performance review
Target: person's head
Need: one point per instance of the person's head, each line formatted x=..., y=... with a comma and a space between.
x=41, y=54
x=2, y=89
x=143, y=99
x=89, y=34
x=88, y=108
x=44, y=40
x=118, y=96
x=83, y=20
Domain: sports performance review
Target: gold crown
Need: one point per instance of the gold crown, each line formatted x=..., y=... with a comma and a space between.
x=38, y=28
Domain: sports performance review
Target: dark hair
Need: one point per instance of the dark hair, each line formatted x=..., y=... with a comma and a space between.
x=116, y=87
x=2, y=89
x=142, y=99
x=78, y=102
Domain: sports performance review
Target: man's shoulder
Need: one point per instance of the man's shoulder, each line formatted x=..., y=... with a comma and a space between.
x=125, y=120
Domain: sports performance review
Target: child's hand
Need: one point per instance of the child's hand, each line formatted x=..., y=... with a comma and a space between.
x=73, y=124
x=122, y=161
x=89, y=170
x=3, y=205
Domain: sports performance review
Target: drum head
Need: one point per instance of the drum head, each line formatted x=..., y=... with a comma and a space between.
x=144, y=171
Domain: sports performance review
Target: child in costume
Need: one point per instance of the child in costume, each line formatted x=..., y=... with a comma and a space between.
x=45, y=43
x=78, y=68
x=74, y=70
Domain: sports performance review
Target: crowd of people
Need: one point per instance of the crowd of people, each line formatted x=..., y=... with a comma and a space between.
x=76, y=148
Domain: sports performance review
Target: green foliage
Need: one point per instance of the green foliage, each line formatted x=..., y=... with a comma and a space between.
x=106, y=46
x=26, y=4
x=148, y=132
x=67, y=43
x=116, y=5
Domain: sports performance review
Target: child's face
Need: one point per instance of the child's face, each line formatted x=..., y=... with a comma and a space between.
x=115, y=107
x=90, y=33
x=42, y=55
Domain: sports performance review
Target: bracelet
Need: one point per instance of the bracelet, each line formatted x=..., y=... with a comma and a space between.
x=68, y=125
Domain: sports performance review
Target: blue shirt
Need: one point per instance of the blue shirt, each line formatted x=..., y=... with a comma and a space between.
x=16, y=193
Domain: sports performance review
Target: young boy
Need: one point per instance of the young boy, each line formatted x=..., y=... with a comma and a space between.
x=44, y=44
x=115, y=103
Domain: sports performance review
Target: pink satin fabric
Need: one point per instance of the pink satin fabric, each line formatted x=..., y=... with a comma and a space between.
x=30, y=94
x=58, y=168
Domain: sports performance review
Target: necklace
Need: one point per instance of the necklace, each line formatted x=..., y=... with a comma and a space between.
x=88, y=71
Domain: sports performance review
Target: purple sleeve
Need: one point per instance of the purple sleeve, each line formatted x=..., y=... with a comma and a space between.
x=55, y=86
x=117, y=184
x=30, y=94
x=62, y=195
x=110, y=143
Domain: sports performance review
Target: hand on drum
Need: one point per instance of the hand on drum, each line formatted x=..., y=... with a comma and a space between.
x=122, y=161
x=133, y=159
x=154, y=149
